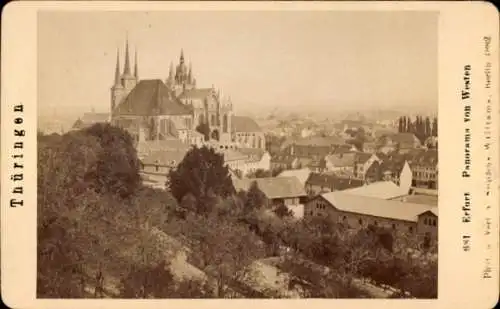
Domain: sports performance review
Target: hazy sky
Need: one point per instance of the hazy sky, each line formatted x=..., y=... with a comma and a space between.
x=258, y=58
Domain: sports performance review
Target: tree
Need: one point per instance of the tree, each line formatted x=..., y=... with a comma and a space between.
x=255, y=198
x=276, y=171
x=259, y=173
x=435, y=127
x=223, y=249
x=117, y=169
x=428, y=129
x=202, y=173
x=204, y=129
x=148, y=282
x=282, y=211
x=409, y=125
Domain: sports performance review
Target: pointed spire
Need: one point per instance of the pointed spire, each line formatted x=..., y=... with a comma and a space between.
x=136, y=70
x=182, y=56
x=126, y=69
x=117, y=69
x=190, y=73
x=171, y=71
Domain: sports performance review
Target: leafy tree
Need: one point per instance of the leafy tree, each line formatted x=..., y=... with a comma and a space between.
x=282, y=211
x=259, y=173
x=435, y=127
x=223, y=249
x=117, y=169
x=276, y=171
x=204, y=129
x=255, y=198
x=428, y=129
x=148, y=282
x=202, y=173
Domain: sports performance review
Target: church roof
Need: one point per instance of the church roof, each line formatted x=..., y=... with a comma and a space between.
x=245, y=124
x=196, y=93
x=151, y=97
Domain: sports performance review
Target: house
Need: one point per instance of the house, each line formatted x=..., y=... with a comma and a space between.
x=278, y=191
x=145, y=148
x=317, y=165
x=402, y=142
x=326, y=182
x=396, y=170
x=342, y=161
x=284, y=162
x=424, y=166
x=156, y=165
x=301, y=174
x=366, y=166
x=236, y=160
x=316, y=146
x=257, y=158
x=342, y=149
x=355, y=212
x=369, y=147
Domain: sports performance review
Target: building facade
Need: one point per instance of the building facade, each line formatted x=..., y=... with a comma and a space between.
x=357, y=212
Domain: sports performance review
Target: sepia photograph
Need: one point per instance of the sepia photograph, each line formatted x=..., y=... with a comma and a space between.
x=237, y=154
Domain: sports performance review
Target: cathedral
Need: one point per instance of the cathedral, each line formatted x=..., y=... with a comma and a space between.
x=154, y=109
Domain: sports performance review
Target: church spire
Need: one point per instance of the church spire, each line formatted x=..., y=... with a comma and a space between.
x=126, y=69
x=117, y=69
x=190, y=72
x=171, y=71
x=182, y=56
x=136, y=70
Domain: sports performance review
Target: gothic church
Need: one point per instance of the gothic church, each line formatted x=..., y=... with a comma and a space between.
x=152, y=109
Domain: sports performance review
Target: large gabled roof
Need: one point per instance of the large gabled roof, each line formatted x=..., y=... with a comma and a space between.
x=244, y=124
x=274, y=187
x=377, y=207
x=150, y=98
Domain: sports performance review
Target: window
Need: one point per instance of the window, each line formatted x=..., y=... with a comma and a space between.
x=410, y=229
x=344, y=218
x=394, y=226
x=157, y=167
x=425, y=221
x=375, y=223
x=434, y=222
x=360, y=222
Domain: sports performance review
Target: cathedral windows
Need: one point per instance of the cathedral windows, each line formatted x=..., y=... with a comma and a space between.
x=213, y=121
x=259, y=143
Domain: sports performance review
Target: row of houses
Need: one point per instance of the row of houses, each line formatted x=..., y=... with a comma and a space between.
x=419, y=167
x=159, y=157
x=349, y=202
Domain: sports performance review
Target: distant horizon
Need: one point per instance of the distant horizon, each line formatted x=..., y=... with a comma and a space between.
x=263, y=60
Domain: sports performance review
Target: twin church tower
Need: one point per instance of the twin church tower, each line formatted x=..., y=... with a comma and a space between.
x=179, y=81
x=154, y=109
